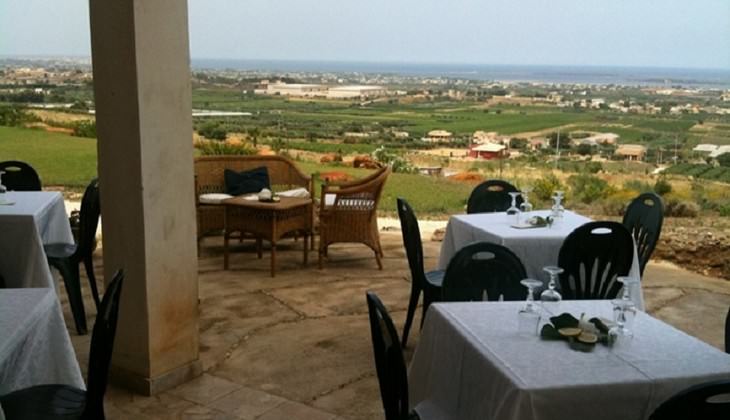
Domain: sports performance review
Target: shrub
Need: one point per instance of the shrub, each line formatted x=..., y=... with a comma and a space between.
x=594, y=167
x=638, y=186
x=12, y=116
x=544, y=187
x=588, y=188
x=209, y=147
x=676, y=208
x=662, y=186
x=397, y=162
x=212, y=131
x=85, y=129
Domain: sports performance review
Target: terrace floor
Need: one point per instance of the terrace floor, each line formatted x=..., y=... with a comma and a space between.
x=297, y=346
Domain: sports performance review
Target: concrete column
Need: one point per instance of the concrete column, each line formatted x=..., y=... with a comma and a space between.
x=141, y=69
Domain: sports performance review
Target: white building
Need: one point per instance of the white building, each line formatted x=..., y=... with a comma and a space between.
x=720, y=151
x=296, y=89
x=356, y=91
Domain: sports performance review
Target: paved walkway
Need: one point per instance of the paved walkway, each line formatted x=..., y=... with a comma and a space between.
x=297, y=346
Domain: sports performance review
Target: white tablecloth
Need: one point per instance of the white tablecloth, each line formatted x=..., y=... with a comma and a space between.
x=35, y=347
x=36, y=218
x=471, y=363
x=536, y=248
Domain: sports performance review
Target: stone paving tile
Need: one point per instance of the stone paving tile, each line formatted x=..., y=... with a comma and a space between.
x=247, y=403
x=357, y=400
x=342, y=297
x=205, y=389
x=293, y=410
x=302, y=360
x=701, y=314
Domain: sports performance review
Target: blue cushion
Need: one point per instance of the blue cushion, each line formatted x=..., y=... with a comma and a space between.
x=246, y=182
x=435, y=278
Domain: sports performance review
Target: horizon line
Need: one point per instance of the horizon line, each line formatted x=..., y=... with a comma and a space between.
x=386, y=61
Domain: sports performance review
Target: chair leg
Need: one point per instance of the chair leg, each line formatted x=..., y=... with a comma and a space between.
x=89, y=266
x=70, y=274
x=378, y=260
x=413, y=302
x=427, y=300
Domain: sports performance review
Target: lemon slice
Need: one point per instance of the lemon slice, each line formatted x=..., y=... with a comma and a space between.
x=588, y=338
x=570, y=332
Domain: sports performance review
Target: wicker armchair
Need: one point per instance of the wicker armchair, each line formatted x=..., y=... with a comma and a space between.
x=348, y=213
x=283, y=175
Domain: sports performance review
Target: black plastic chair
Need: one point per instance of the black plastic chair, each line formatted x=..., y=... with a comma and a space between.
x=389, y=363
x=644, y=218
x=2, y=282
x=66, y=402
x=727, y=332
x=484, y=268
x=428, y=282
x=66, y=258
x=491, y=196
x=593, y=255
x=19, y=176
x=708, y=401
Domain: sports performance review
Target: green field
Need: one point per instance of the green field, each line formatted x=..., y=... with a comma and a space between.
x=58, y=158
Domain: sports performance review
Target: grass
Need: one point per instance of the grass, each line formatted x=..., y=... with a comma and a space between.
x=58, y=158
x=428, y=196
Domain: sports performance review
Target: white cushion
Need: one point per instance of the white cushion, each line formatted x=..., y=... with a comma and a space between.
x=213, y=198
x=296, y=192
x=329, y=199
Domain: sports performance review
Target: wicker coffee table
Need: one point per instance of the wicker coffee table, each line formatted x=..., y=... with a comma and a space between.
x=270, y=221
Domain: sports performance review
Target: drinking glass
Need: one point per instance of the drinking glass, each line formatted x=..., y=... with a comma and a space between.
x=624, y=309
x=557, y=210
x=3, y=189
x=550, y=294
x=526, y=206
x=513, y=213
x=529, y=316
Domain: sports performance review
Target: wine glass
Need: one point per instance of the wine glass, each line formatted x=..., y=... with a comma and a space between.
x=528, y=316
x=514, y=211
x=557, y=210
x=526, y=206
x=624, y=309
x=3, y=189
x=550, y=294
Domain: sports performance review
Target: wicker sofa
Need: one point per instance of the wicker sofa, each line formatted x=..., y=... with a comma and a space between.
x=283, y=175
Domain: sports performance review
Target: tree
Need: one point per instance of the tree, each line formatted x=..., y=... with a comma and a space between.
x=518, y=143
x=724, y=160
x=212, y=131
x=584, y=149
x=254, y=135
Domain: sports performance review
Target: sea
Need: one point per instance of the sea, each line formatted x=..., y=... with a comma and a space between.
x=589, y=75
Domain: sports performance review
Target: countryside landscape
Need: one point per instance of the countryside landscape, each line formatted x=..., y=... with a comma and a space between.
x=600, y=142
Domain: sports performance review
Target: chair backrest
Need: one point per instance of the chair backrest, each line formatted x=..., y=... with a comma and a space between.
x=593, y=255
x=362, y=195
x=19, y=176
x=90, y=212
x=484, y=268
x=491, y=196
x=102, y=344
x=389, y=363
x=2, y=282
x=411, y=240
x=644, y=218
x=283, y=173
x=708, y=401
x=727, y=332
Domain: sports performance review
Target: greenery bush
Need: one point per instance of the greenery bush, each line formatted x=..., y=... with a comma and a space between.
x=594, y=167
x=637, y=186
x=212, y=131
x=588, y=188
x=13, y=116
x=677, y=208
x=544, y=187
x=397, y=162
x=214, y=147
x=84, y=129
x=662, y=186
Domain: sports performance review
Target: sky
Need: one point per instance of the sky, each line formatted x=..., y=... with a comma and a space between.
x=648, y=33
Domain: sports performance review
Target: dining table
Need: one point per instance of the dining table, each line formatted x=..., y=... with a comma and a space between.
x=473, y=362
x=28, y=220
x=35, y=347
x=536, y=247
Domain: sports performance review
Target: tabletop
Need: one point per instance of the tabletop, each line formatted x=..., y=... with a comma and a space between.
x=35, y=347
x=35, y=218
x=471, y=362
